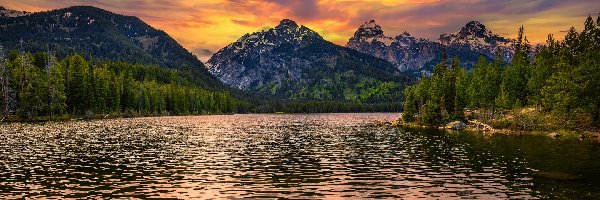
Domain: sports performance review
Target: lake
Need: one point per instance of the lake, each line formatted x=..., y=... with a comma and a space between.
x=304, y=156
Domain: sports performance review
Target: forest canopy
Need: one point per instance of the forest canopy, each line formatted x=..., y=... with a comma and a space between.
x=561, y=78
x=40, y=85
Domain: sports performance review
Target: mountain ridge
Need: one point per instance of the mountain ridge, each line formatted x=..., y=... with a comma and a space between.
x=421, y=55
x=105, y=35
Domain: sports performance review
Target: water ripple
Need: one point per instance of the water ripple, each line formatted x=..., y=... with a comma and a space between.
x=253, y=156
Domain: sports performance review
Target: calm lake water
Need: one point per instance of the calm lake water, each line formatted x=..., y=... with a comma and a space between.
x=289, y=156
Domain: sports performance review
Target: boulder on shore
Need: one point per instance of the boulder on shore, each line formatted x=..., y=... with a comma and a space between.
x=479, y=126
x=456, y=125
x=554, y=135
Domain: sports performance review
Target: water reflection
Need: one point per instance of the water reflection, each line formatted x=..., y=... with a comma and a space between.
x=290, y=156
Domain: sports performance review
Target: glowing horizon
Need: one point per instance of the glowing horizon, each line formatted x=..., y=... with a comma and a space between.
x=204, y=27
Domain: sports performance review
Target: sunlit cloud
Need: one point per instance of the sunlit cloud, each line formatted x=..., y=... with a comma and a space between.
x=206, y=26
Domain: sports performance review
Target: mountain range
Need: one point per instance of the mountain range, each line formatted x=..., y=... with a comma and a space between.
x=291, y=61
x=288, y=61
x=417, y=55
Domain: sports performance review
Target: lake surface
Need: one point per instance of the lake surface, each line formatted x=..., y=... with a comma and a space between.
x=310, y=156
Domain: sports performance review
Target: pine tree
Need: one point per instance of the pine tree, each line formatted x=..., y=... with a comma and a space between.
x=478, y=80
x=89, y=89
x=541, y=70
x=575, y=85
x=450, y=86
x=76, y=68
x=461, y=97
x=591, y=70
x=56, y=87
x=431, y=114
x=7, y=95
x=515, y=78
x=33, y=91
x=503, y=101
x=411, y=106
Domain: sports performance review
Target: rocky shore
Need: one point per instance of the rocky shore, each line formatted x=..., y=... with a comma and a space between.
x=475, y=125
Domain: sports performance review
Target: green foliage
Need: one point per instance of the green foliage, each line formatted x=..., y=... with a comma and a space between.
x=563, y=78
x=57, y=100
x=515, y=77
x=542, y=69
x=483, y=84
x=432, y=113
x=575, y=84
x=502, y=101
x=461, y=95
x=76, y=86
x=7, y=94
x=436, y=100
x=411, y=104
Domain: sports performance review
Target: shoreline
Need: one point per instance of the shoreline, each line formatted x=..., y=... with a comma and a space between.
x=66, y=118
x=475, y=126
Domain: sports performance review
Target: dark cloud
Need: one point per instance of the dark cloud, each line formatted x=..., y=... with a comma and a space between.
x=203, y=52
x=209, y=24
x=306, y=9
x=430, y=19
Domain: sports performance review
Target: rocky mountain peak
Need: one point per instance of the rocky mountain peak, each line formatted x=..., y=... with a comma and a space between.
x=287, y=23
x=474, y=25
x=476, y=29
x=370, y=24
x=287, y=31
x=473, y=33
x=257, y=58
x=474, y=36
x=369, y=29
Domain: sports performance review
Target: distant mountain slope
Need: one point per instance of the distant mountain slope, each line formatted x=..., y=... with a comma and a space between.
x=476, y=37
x=294, y=62
x=419, y=55
x=404, y=51
x=104, y=35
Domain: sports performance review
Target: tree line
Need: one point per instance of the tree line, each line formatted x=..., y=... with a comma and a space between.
x=40, y=86
x=561, y=78
x=325, y=106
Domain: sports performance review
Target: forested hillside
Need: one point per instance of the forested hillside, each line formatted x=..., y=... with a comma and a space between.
x=562, y=80
x=103, y=35
x=40, y=86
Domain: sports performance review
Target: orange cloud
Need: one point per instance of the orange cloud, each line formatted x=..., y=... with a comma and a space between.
x=208, y=25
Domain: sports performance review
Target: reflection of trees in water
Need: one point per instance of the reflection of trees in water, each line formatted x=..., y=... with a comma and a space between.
x=285, y=156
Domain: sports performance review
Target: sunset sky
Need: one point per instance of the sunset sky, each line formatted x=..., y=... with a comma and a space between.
x=205, y=26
